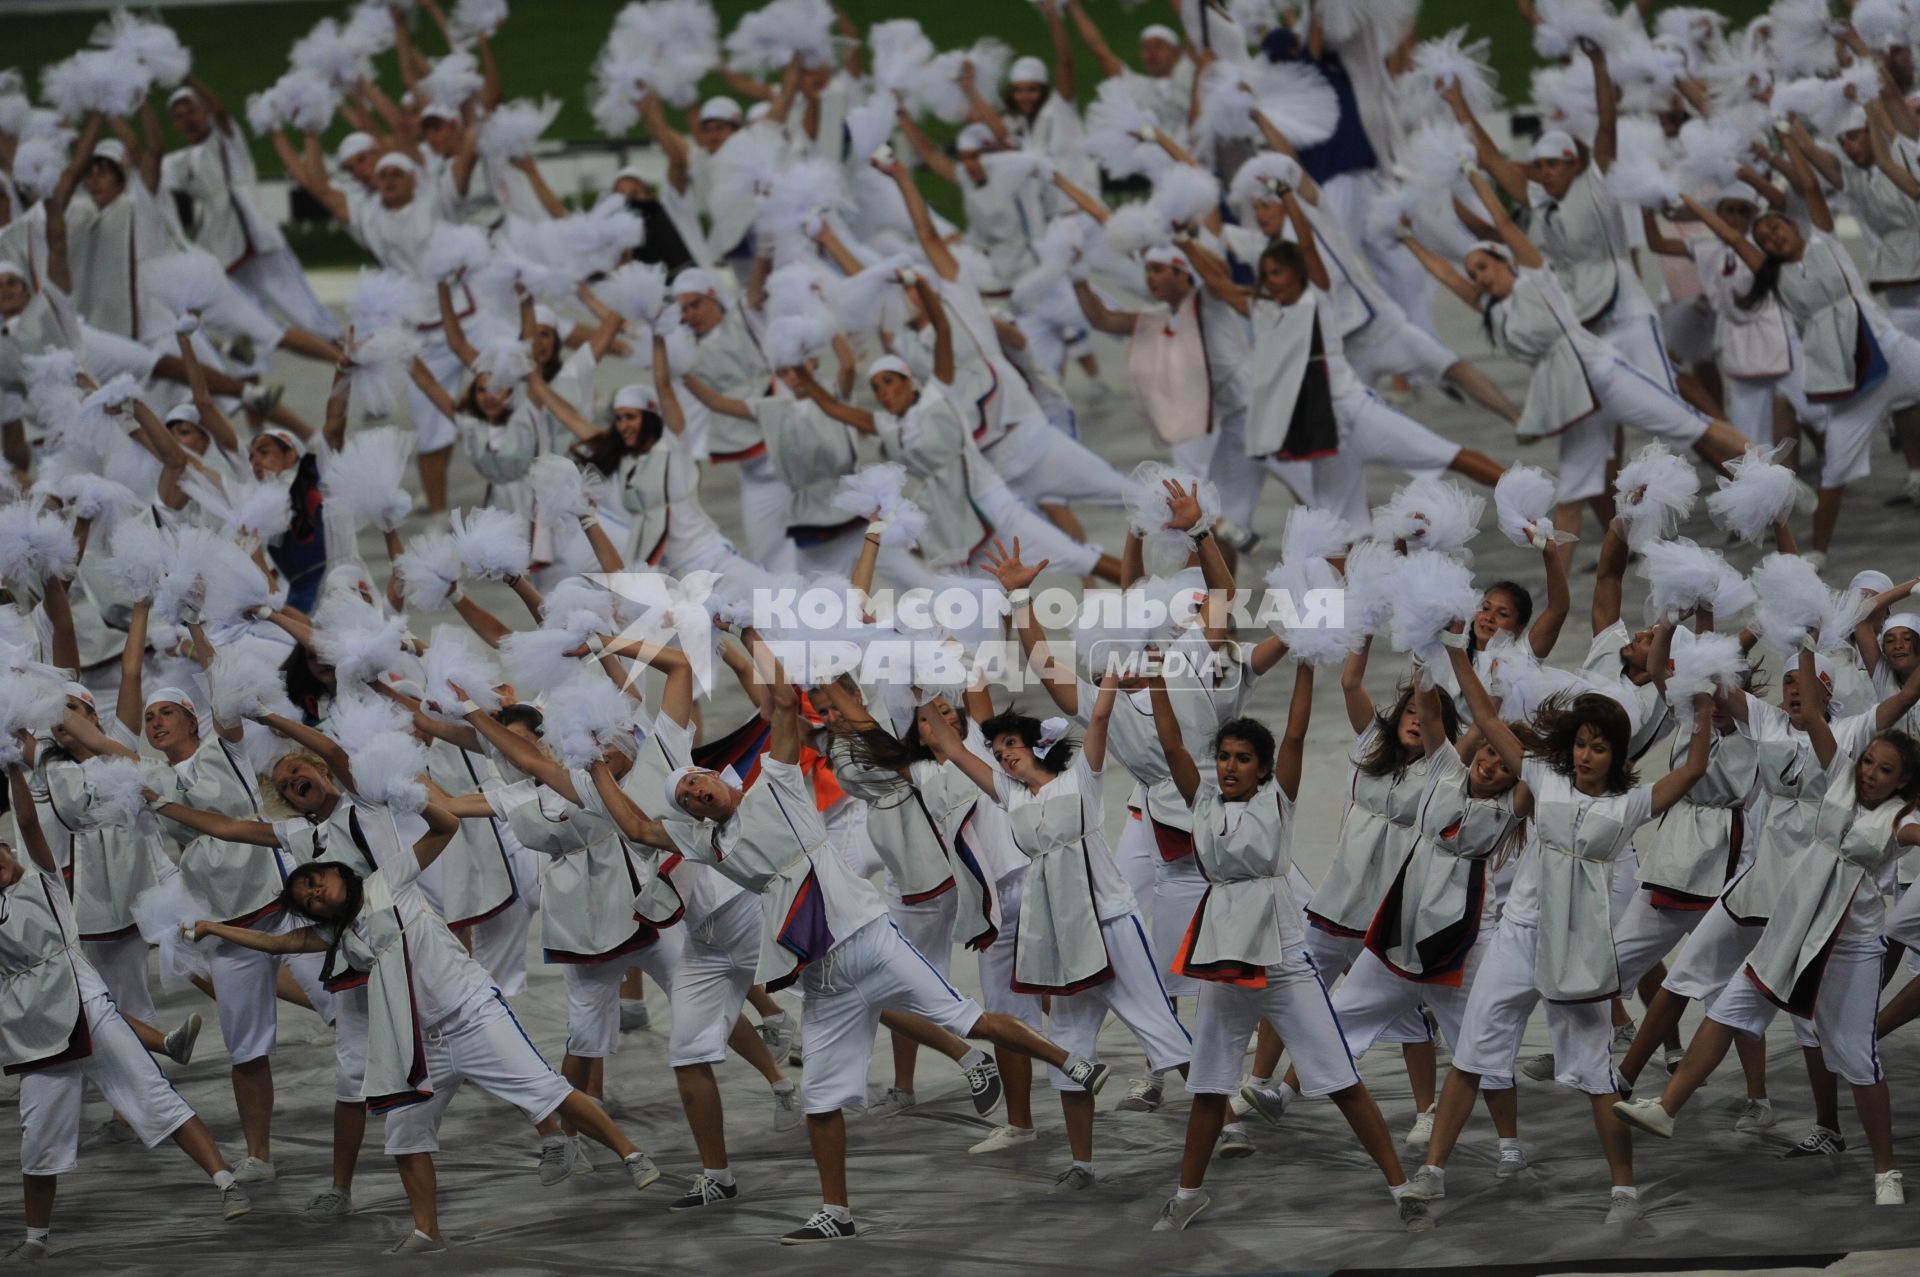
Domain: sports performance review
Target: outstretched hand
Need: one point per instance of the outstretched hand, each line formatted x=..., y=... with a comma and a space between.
x=1007, y=567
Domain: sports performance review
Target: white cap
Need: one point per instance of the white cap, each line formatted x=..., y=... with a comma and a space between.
x=1554, y=145
x=286, y=438
x=673, y=788
x=395, y=160
x=80, y=692
x=1872, y=580
x=1901, y=621
x=1156, y=31
x=758, y=112
x=975, y=137
x=1853, y=121
x=170, y=696
x=1165, y=255
x=183, y=412
x=637, y=395
x=1739, y=192
x=435, y=111
x=180, y=94
x=698, y=280
x=10, y=268
x=354, y=144
x=1027, y=70
x=1491, y=248
x=631, y=172
x=720, y=109
x=111, y=148
x=889, y=363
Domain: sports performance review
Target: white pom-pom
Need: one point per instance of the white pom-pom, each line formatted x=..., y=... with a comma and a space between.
x=901, y=52
x=936, y=91
x=637, y=291
x=1372, y=569
x=493, y=543
x=1432, y=514
x=1524, y=501
x=870, y=301
x=1306, y=628
x=770, y=37
x=1314, y=533
x=504, y=361
x=1297, y=98
x=387, y=299
x=242, y=686
x=1637, y=178
x=1135, y=228
x=358, y=716
x=94, y=497
x=33, y=697
x=243, y=507
x=37, y=165
x=559, y=487
x=876, y=492
x=1565, y=23
x=472, y=18
x=1754, y=496
x=1149, y=504
x=150, y=45
x=455, y=250
x=1655, y=493
x=377, y=355
x=363, y=478
x=138, y=556
x=1432, y=591
x=357, y=638
x=1185, y=195
x=1816, y=101
x=429, y=568
x=116, y=788
x=539, y=660
x=388, y=769
x=584, y=717
x=186, y=282
x=1450, y=59
x=452, y=81
x=35, y=545
x=512, y=129
x=162, y=913
x=1708, y=663
x=455, y=658
x=1682, y=575
x=1800, y=37
x=1793, y=602
x=1119, y=134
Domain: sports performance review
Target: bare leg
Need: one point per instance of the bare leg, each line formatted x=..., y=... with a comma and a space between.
x=1479, y=387
x=1906, y=424
x=253, y=1098
x=1753, y=1062
x=1370, y=1128
x=349, y=1129
x=1266, y=1050
x=151, y=1038
x=417, y=1177
x=1076, y=1107
x=1662, y=1017
x=1649, y=989
x=1826, y=517
x=1786, y=429
x=1709, y=1046
x=1874, y=1107
x=1423, y=1066
x=1503, y=1106
x=827, y=1133
x=1616, y=1141
x=1016, y=1085
x=578, y=1070
x=584, y=1114
x=752, y=1048
x=1825, y=1087
x=924, y=1032
x=1005, y=1031
x=1456, y=1106
x=433, y=477
x=633, y=985
x=37, y=1192
x=763, y=1001
x=197, y=1142
x=288, y=989
x=1900, y=1008
x=700, y=1098
x=905, y=1052
x=1204, y=1122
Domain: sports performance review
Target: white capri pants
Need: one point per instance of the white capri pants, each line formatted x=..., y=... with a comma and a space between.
x=927, y=926
x=1388, y=346
x=1639, y=340
x=499, y=944
x=1178, y=886
x=275, y=281
x=1333, y=954
x=593, y=993
x=1137, y=999
x=1845, y=1010
x=764, y=502
x=433, y=429
x=716, y=973
x=1295, y=1004
x=1044, y=465
x=1372, y=1001
x=1644, y=934
x=842, y=996
x=122, y=964
x=485, y=1045
x=1749, y=403
x=125, y=1075
x=1851, y=422
x=1135, y=853
x=1008, y=517
x=1502, y=1001
x=349, y=1045
x=996, y=960
x=1625, y=396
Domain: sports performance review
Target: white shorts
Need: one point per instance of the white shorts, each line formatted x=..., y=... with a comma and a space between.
x=1851, y=422
x=1373, y=1002
x=244, y=984
x=1903, y=920
x=1845, y=1011
x=274, y=279
x=1136, y=854
x=843, y=994
x=1388, y=346
x=349, y=1045
x=124, y=1073
x=1295, y=1004
x=1749, y=403
x=122, y=965
x=927, y=926
x=1042, y=464
x=1643, y=935
x=593, y=993
x=1378, y=434
x=1008, y=517
x=1137, y=999
x=1625, y=396
x=1712, y=954
x=499, y=944
x=1178, y=886
x=996, y=960
x=433, y=429
x=1638, y=339
x=1502, y=1001
x=1333, y=954
x=716, y=972
x=485, y=1045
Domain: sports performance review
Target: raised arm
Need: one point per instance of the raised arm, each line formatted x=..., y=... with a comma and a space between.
x=524, y=754
x=1308, y=241
x=130, y=706
x=940, y=736
x=1353, y=687
x=1606, y=103
x=1800, y=166
x=1610, y=574
x=1878, y=130
x=1017, y=578
x=1545, y=633
x=1524, y=253
x=430, y=387
x=302, y=940
x=939, y=256
x=844, y=413
x=634, y=824
x=1673, y=786
x=1442, y=270
x=1118, y=322
x=1093, y=746
x=1166, y=726
x=932, y=158
x=1096, y=42
x=783, y=704
x=1062, y=50
x=1511, y=175
x=1750, y=253
x=319, y=744
x=1290, y=759
x=1658, y=240
x=256, y=833
x=1486, y=715
x=1215, y=277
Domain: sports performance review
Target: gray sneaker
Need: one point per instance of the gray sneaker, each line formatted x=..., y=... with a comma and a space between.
x=1179, y=1212
x=634, y=1015
x=414, y=1244
x=179, y=1043
x=1755, y=1116
x=556, y=1160
x=31, y=1250
x=641, y=1167
x=234, y=1202
x=1539, y=1068
x=254, y=1170
x=333, y=1202
x=1428, y=1184
x=1512, y=1162
x=779, y=1039
x=892, y=1104
x=786, y=1109
x=1623, y=1035
x=1075, y=1179
x=1269, y=1102
x=114, y=1131
x=1415, y=1217
x=1143, y=1096
x=1624, y=1211
x=1234, y=1143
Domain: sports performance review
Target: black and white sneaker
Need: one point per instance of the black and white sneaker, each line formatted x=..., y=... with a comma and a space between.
x=983, y=1082
x=1818, y=1142
x=706, y=1191
x=1086, y=1074
x=820, y=1227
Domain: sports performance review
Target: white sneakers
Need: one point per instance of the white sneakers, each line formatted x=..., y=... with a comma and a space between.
x=1889, y=1189
x=1004, y=1137
x=1422, y=1133
x=1624, y=1210
x=251, y=1170
x=1755, y=1115
x=179, y=1043
x=1513, y=1160
x=1645, y=1115
x=786, y=1109
x=1428, y=1184
x=892, y=1104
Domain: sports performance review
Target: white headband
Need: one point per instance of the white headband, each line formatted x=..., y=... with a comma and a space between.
x=889, y=363
x=285, y=438
x=720, y=109
x=393, y=159
x=1027, y=70
x=1159, y=32
x=1901, y=621
x=673, y=788
x=1852, y=122
x=353, y=144
x=1162, y=255
x=170, y=696
x=696, y=280
x=1489, y=247
x=975, y=137
x=180, y=94
x=8, y=268
x=637, y=395
x=1741, y=192
x=183, y=412
x=438, y=112
x=1554, y=145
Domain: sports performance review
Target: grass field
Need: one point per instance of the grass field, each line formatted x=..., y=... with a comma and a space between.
x=548, y=46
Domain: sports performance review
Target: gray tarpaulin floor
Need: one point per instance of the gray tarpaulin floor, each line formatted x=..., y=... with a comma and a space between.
x=1309, y=1201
